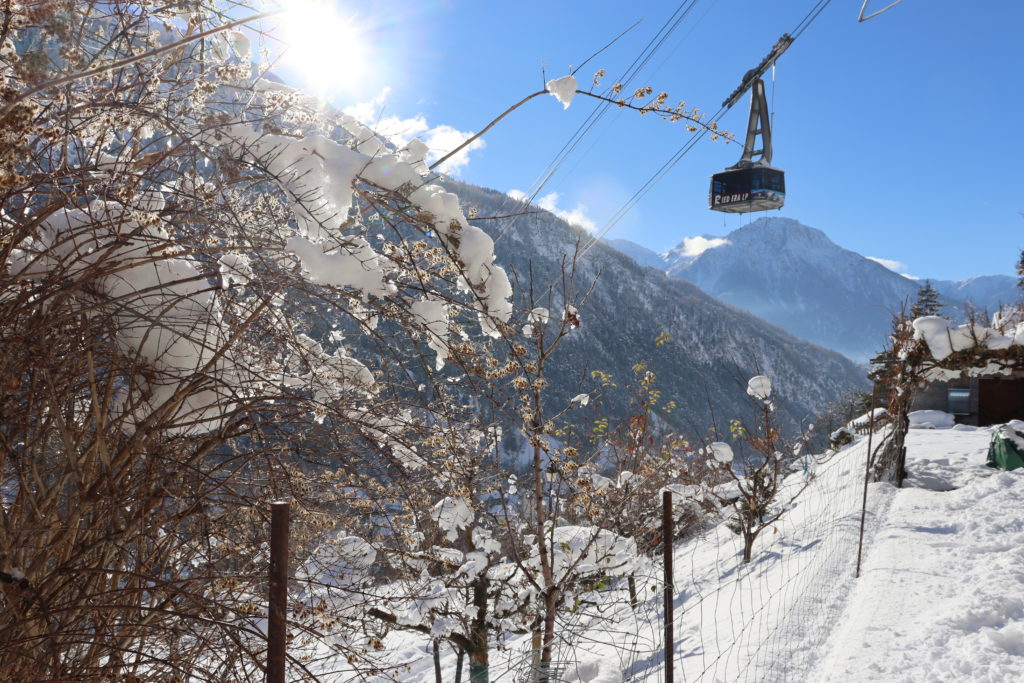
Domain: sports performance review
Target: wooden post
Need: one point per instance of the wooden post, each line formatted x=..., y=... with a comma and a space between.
x=277, y=617
x=867, y=478
x=666, y=539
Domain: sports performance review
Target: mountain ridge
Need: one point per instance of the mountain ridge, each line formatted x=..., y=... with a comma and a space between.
x=794, y=276
x=713, y=347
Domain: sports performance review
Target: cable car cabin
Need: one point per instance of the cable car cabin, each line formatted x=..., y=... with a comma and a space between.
x=752, y=188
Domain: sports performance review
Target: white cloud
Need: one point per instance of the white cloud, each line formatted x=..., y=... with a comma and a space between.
x=578, y=216
x=549, y=202
x=695, y=246
x=367, y=112
x=444, y=139
x=440, y=140
x=895, y=266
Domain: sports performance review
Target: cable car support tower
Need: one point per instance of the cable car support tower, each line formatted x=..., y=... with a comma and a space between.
x=752, y=184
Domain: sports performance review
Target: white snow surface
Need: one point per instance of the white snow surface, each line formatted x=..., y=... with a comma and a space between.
x=866, y=419
x=582, y=399
x=930, y=419
x=943, y=338
x=939, y=598
x=452, y=514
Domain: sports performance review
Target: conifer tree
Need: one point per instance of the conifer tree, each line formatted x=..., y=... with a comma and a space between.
x=927, y=302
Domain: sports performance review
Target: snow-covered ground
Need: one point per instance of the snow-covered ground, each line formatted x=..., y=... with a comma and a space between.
x=940, y=596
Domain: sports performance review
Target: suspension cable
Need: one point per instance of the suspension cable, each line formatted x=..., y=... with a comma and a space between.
x=597, y=113
x=808, y=19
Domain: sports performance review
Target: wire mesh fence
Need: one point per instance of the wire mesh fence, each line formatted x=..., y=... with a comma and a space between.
x=766, y=620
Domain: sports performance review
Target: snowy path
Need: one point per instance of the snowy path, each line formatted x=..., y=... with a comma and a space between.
x=940, y=598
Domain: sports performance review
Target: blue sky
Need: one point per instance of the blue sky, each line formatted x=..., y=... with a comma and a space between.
x=900, y=136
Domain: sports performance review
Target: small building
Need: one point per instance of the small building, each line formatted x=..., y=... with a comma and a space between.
x=975, y=400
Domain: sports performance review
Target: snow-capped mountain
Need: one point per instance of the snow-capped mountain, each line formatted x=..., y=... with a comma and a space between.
x=713, y=348
x=987, y=292
x=794, y=276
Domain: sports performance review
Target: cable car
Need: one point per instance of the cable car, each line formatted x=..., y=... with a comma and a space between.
x=751, y=185
x=753, y=188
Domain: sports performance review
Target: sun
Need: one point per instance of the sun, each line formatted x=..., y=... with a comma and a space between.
x=322, y=45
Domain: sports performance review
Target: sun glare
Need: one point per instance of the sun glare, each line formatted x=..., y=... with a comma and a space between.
x=322, y=45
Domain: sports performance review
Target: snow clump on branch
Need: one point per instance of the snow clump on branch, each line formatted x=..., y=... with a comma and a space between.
x=563, y=89
x=721, y=452
x=760, y=387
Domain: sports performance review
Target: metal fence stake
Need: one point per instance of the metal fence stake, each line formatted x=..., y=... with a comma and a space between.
x=666, y=523
x=277, y=617
x=867, y=479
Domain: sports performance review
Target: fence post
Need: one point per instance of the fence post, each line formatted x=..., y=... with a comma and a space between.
x=867, y=478
x=666, y=537
x=277, y=617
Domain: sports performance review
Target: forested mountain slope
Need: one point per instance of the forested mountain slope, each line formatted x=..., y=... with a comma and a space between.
x=712, y=348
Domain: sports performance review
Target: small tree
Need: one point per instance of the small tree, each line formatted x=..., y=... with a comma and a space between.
x=758, y=477
x=927, y=302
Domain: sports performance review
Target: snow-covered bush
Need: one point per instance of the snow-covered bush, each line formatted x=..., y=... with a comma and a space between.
x=213, y=292
x=758, y=474
x=840, y=437
x=209, y=290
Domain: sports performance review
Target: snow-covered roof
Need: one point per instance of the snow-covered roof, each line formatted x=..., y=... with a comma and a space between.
x=946, y=351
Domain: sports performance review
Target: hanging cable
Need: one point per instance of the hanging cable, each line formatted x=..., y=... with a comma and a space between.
x=808, y=19
x=597, y=113
x=630, y=74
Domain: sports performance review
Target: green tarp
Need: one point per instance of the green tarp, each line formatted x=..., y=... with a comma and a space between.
x=1005, y=451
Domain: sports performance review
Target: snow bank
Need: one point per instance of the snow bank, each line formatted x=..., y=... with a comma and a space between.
x=931, y=419
x=939, y=598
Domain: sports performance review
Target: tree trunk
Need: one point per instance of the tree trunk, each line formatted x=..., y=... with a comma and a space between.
x=458, y=665
x=550, y=609
x=550, y=589
x=535, y=641
x=437, y=663
x=479, y=667
x=632, y=591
